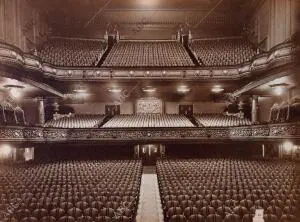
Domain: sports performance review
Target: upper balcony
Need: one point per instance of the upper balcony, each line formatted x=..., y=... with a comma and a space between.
x=13, y=59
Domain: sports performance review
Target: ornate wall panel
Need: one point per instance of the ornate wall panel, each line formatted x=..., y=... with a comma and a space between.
x=149, y=105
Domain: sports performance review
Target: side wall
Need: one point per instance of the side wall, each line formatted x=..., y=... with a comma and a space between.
x=21, y=25
x=273, y=22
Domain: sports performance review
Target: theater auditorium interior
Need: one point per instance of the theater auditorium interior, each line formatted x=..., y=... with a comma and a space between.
x=149, y=111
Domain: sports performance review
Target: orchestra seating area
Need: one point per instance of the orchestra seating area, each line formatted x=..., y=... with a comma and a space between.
x=223, y=52
x=72, y=52
x=220, y=120
x=226, y=190
x=76, y=121
x=71, y=191
x=148, y=120
x=148, y=54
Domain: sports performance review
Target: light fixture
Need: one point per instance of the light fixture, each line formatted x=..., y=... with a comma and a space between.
x=217, y=89
x=14, y=90
x=149, y=89
x=287, y=146
x=5, y=150
x=279, y=89
x=183, y=89
x=114, y=90
x=15, y=93
x=81, y=90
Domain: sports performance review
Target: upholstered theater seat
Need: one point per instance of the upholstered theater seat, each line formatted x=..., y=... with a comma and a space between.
x=71, y=52
x=148, y=54
x=196, y=218
x=178, y=218
x=223, y=52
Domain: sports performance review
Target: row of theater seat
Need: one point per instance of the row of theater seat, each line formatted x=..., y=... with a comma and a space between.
x=148, y=54
x=72, y=52
x=70, y=191
x=223, y=52
x=220, y=120
x=77, y=121
x=76, y=52
x=229, y=190
x=148, y=120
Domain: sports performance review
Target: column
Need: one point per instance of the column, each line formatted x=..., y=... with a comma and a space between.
x=162, y=149
x=241, y=108
x=2, y=20
x=41, y=110
x=254, y=109
x=136, y=151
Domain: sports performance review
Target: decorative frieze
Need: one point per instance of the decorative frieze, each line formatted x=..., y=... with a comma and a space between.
x=280, y=131
x=11, y=133
x=283, y=130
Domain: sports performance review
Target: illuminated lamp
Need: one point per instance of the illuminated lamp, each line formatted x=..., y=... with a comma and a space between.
x=279, y=89
x=183, y=89
x=14, y=90
x=5, y=150
x=217, y=89
x=288, y=146
x=115, y=90
x=149, y=89
x=80, y=90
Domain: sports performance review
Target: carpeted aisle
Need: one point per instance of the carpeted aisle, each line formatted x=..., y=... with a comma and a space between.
x=149, y=209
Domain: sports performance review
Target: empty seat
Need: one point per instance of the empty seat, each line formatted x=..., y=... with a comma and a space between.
x=148, y=54
x=223, y=52
x=71, y=52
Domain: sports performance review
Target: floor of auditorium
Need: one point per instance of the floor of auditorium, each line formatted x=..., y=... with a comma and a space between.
x=149, y=209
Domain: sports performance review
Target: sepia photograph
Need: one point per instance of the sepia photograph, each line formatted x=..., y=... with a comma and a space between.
x=149, y=111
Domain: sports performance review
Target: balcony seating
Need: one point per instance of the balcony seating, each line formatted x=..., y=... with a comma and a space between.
x=77, y=121
x=294, y=114
x=227, y=189
x=71, y=191
x=148, y=120
x=223, y=52
x=285, y=111
x=148, y=54
x=10, y=115
x=71, y=52
x=220, y=120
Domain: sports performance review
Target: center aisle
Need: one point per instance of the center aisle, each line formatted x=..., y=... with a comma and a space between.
x=149, y=209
